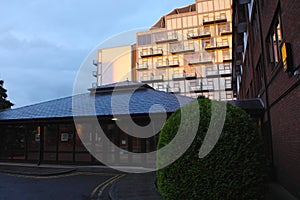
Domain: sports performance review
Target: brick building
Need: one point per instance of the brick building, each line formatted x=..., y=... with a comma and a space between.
x=266, y=60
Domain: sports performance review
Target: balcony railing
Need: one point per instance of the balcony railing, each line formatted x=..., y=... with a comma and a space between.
x=178, y=76
x=167, y=37
x=151, y=52
x=201, y=58
x=182, y=76
x=95, y=62
x=95, y=73
x=212, y=73
x=227, y=58
x=175, y=90
x=225, y=29
x=200, y=33
x=216, y=45
x=215, y=19
x=181, y=48
x=202, y=88
x=166, y=64
x=152, y=79
x=142, y=67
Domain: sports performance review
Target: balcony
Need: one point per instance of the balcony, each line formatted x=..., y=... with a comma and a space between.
x=205, y=60
x=152, y=79
x=181, y=48
x=95, y=73
x=175, y=90
x=95, y=62
x=225, y=29
x=218, y=45
x=201, y=33
x=227, y=58
x=191, y=76
x=142, y=67
x=167, y=37
x=218, y=73
x=202, y=87
x=160, y=65
x=151, y=53
x=178, y=76
x=184, y=76
x=215, y=19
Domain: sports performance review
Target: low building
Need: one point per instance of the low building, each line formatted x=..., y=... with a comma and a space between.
x=63, y=130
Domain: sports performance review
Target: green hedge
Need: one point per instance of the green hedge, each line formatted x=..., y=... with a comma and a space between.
x=234, y=169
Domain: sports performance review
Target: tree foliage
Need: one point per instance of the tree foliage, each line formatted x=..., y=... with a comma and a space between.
x=4, y=103
x=235, y=168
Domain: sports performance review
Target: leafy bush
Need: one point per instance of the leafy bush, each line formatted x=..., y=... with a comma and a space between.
x=234, y=169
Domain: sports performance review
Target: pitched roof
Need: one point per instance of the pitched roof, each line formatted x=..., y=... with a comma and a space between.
x=142, y=100
x=161, y=22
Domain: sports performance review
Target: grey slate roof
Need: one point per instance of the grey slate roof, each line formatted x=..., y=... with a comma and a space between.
x=100, y=104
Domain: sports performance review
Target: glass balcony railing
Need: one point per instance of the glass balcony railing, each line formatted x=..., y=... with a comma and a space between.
x=181, y=48
x=215, y=19
x=167, y=36
x=152, y=79
x=200, y=33
x=225, y=29
x=142, y=67
x=151, y=52
x=182, y=76
x=166, y=64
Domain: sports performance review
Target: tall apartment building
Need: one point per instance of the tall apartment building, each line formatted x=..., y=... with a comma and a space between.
x=188, y=51
x=266, y=66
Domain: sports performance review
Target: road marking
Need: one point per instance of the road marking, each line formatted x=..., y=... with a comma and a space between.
x=107, y=184
x=103, y=185
x=61, y=175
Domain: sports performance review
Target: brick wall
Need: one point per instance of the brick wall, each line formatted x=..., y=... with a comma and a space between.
x=283, y=89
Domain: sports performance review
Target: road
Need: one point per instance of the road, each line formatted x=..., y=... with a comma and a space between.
x=73, y=186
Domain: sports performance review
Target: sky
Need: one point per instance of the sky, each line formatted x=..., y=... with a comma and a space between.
x=44, y=43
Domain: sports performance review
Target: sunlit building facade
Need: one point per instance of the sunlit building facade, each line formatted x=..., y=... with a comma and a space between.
x=188, y=51
x=113, y=65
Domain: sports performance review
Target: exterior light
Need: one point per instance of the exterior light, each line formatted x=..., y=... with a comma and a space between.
x=114, y=119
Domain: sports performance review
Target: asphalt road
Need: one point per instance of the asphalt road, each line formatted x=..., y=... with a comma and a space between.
x=73, y=186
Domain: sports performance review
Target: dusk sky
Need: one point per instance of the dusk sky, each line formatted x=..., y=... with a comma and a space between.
x=43, y=43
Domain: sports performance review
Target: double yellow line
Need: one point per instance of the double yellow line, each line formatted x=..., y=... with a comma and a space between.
x=101, y=187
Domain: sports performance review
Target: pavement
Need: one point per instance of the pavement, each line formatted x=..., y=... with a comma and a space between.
x=130, y=186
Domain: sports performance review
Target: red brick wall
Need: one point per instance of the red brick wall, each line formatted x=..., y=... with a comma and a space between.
x=283, y=90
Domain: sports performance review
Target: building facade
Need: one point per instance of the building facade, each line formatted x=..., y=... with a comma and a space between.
x=188, y=51
x=67, y=130
x=113, y=65
x=266, y=64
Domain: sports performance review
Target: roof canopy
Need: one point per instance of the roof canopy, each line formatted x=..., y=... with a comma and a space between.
x=118, y=98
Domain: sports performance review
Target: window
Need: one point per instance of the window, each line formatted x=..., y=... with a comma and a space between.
x=259, y=77
x=274, y=42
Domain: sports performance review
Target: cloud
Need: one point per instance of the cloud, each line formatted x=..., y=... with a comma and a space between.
x=43, y=43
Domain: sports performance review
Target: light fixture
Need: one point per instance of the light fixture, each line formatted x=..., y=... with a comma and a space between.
x=114, y=119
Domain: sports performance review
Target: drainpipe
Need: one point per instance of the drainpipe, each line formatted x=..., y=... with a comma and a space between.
x=266, y=86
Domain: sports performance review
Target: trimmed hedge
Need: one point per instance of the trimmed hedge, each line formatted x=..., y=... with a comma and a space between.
x=234, y=169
